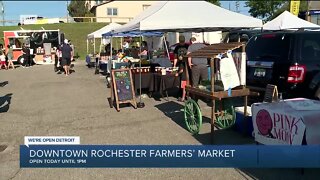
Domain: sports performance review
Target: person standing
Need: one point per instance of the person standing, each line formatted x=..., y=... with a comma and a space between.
x=198, y=66
x=26, y=55
x=125, y=45
x=66, y=57
x=1, y=48
x=10, y=57
x=179, y=61
x=144, y=50
x=3, y=60
x=72, y=52
x=56, y=59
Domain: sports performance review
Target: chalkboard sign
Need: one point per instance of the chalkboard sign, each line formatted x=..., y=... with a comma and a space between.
x=123, y=87
x=271, y=94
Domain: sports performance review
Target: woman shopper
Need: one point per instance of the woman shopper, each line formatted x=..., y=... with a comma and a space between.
x=10, y=57
x=3, y=60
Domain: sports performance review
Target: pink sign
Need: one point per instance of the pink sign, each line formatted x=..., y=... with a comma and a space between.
x=275, y=126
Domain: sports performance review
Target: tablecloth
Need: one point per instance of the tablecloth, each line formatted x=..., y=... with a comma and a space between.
x=163, y=83
x=146, y=80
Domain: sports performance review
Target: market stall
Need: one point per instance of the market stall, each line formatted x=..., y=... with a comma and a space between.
x=217, y=91
x=98, y=35
x=42, y=44
x=170, y=16
x=287, y=122
x=123, y=60
x=188, y=16
x=287, y=21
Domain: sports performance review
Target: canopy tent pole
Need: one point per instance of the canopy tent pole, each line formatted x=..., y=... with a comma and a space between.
x=87, y=46
x=203, y=37
x=165, y=43
x=109, y=79
x=121, y=45
x=140, y=104
x=94, y=45
x=111, y=55
x=100, y=46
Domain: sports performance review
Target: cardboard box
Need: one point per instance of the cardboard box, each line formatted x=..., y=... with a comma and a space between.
x=38, y=58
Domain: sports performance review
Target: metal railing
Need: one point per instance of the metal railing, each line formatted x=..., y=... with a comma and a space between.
x=85, y=19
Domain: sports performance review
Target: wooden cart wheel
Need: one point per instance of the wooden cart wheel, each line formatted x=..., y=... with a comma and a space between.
x=225, y=114
x=192, y=116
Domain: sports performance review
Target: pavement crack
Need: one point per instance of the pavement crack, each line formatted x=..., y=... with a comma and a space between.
x=15, y=174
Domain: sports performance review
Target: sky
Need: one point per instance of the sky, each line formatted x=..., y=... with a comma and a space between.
x=51, y=9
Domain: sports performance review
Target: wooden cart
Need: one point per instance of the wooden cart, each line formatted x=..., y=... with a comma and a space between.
x=222, y=111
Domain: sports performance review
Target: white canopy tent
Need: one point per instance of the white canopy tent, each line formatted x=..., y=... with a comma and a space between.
x=286, y=20
x=192, y=16
x=98, y=34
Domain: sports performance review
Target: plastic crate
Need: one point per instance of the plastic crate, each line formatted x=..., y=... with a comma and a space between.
x=239, y=124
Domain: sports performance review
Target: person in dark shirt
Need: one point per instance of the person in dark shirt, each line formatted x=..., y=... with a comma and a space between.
x=66, y=56
x=26, y=55
x=179, y=61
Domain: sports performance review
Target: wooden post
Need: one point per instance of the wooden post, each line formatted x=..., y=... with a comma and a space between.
x=213, y=117
x=187, y=72
x=245, y=123
x=111, y=91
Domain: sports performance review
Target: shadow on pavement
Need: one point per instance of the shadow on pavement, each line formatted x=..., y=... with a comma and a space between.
x=5, y=103
x=224, y=137
x=281, y=173
x=174, y=111
x=4, y=83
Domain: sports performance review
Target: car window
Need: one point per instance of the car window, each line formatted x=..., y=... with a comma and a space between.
x=233, y=38
x=310, y=49
x=244, y=38
x=268, y=47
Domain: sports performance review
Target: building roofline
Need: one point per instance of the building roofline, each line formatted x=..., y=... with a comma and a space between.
x=103, y=3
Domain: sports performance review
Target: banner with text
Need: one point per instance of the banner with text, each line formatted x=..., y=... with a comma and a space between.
x=168, y=156
x=294, y=7
x=274, y=126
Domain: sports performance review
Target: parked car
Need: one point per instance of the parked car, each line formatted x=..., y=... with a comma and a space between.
x=240, y=35
x=290, y=60
x=171, y=49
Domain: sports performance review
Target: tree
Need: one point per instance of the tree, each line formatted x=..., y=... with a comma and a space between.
x=78, y=9
x=286, y=7
x=215, y=2
x=268, y=10
x=264, y=9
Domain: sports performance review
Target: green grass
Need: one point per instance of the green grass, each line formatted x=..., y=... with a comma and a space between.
x=76, y=32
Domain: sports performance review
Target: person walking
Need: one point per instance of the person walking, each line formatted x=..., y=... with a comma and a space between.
x=179, y=61
x=10, y=57
x=66, y=57
x=198, y=66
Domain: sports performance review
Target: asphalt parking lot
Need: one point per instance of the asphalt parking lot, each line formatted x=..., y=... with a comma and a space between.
x=38, y=102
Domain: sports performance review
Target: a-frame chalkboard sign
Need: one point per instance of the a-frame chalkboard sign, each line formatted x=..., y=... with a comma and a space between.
x=271, y=94
x=123, y=87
